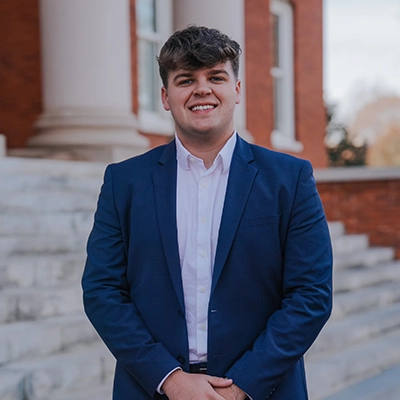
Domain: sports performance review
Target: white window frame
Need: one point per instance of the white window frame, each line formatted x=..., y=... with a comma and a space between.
x=283, y=136
x=158, y=121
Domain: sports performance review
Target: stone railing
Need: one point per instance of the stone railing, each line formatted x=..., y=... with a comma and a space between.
x=366, y=200
x=3, y=147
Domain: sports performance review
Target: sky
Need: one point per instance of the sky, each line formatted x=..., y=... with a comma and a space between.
x=361, y=51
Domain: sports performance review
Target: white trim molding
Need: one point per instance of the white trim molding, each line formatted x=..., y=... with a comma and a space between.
x=283, y=135
x=154, y=26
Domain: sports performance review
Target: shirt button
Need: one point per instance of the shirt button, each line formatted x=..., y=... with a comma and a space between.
x=202, y=327
x=203, y=254
x=203, y=219
x=202, y=290
x=203, y=184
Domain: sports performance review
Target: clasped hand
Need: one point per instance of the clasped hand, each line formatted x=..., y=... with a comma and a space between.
x=183, y=386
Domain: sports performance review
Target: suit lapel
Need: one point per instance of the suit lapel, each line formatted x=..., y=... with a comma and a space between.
x=164, y=179
x=240, y=182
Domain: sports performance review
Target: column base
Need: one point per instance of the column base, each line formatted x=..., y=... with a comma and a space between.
x=91, y=138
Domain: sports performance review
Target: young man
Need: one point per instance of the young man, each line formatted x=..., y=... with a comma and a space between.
x=209, y=264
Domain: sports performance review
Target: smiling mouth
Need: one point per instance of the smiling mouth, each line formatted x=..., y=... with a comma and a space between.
x=202, y=108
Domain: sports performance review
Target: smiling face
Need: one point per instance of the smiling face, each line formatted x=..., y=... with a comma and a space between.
x=202, y=102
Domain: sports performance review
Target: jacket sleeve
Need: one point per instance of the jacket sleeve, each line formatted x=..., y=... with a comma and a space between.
x=108, y=304
x=307, y=295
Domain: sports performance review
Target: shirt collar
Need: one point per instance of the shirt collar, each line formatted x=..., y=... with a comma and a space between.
x=225, y=154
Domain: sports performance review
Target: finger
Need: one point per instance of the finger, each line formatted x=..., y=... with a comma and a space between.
x=219, y=382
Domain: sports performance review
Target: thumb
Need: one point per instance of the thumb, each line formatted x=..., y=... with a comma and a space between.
x=219, y=382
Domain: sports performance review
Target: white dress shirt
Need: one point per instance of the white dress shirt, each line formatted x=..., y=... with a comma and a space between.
x=199, y=203
x=200, y=200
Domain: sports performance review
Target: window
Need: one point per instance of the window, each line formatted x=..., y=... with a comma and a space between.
x=283, y=136
x=154, y=26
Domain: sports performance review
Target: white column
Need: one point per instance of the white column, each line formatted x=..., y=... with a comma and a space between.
x=87, y=79
x=228, y=17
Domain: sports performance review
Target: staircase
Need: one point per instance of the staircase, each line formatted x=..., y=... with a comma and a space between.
x=362, y=338
x=48, y=349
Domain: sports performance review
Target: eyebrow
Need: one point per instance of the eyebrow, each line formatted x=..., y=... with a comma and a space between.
x=189, y=74
x=218, y=71
x=182, y=75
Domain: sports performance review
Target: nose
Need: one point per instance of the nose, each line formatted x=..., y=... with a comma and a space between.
x=202, y=87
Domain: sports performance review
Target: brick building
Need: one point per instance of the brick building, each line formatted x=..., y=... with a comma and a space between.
x=78, y=80
x=80, y=76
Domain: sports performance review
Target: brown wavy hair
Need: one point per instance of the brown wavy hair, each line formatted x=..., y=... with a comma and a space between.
x=197, y=47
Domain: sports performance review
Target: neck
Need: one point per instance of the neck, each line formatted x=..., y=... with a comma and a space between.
x=204, y=149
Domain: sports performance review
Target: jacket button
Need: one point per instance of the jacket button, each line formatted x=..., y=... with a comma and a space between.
x=181, y=314
x=181, y=359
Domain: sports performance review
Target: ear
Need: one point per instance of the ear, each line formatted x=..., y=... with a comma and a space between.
x=238, y=91
x=164, y=99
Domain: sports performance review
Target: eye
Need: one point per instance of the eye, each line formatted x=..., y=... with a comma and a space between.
x=217, y=79
x=185, y=82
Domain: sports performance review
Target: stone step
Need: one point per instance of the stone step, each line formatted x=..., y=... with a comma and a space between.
x=343, y=333
x=48, y=167
x=11, y=385
x=64, y=242
x=42, y=244
x=349, y=243
x=48, y=201
x=18, y=304
x=366, y=257
x=81, y=367
x=367, y=298
x=41, y=270
x=98, y=392
x=26, y=183
x=385, y=386
x=28, y=175
x=335, y=372
x=24, y=223
x=32, y=339
x=357, y=277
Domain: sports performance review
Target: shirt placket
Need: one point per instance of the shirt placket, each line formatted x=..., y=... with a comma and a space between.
x=203, y=262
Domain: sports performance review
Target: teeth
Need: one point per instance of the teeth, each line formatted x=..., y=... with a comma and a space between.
x=202, y=108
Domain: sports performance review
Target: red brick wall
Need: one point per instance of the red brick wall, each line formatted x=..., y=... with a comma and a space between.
x=370, y=207
x=259, y=107
x=20, y=70
x=309, y=105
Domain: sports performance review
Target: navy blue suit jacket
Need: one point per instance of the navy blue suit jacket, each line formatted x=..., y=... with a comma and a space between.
x=271, y=285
